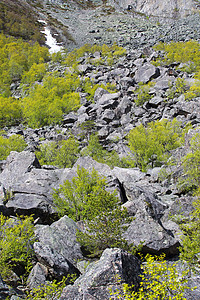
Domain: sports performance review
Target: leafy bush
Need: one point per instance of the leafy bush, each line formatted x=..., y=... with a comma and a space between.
x=182, y=52
x=160, y=280
x=47, y=103
x=13, y=143
x=107, y=53
x=106, y=231
x=62, y=154
x=35, y=73
x=17, y=57
x=190, y=244
x=194, y=90
x=49, y=291
x=16, y=240
x=90, y=88
x=142, y=93
x=10, y=111
x=85, y=197
x=98, y=153
x=191, y=166
x=151, y=145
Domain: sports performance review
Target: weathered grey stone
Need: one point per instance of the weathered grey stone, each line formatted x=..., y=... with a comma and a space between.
x=153, y=236
x=146, y=73
x=70, y=118
x=101, y=276
x=155, y=101
x=163, y=83
x=60, y=236
x=108, y=115
x=37, y=276
x=4, y=290
x=57, y=264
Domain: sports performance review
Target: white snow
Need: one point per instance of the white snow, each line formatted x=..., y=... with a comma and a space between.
x=50, y=40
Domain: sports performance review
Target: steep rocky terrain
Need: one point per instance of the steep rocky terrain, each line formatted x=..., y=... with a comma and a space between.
x=151, y=197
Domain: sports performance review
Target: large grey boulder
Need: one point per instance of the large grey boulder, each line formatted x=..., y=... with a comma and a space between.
x=155, y=238
x=37, y=276
x=146, y=73
x=57, y=246
x=102, y=276
x=27, y=188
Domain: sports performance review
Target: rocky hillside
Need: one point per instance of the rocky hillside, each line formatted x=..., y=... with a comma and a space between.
x=132, y=115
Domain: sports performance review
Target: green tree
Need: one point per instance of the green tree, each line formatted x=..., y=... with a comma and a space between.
x=47, y=103
x=16, y=240
x=106, y=231
x=10, y=111
x=12, y=143
x=85, y=197
x=62, y=154
x=151, y=145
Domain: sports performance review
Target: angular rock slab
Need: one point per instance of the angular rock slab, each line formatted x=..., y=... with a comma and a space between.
x=103, y=275
x=146, y=73
x=155, y=238
x=58, y=245
x=30, y=186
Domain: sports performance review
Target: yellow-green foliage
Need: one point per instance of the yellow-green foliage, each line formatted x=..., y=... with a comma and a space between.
x=160, y=280
x=107, y=53
x=47, y=103
x=84, y=197
x=97, y=152
x=62, y=153
x=16, y=240
x=190, y=245
x=14, y=23
x=153, y=143
x=10, y=111
x=35, y=73
x=182, y=52
x=50, y=290
x=17, y=57
x=13, y=143
x=191, y=165
x=194, y=90
x=142, y=93
x=90, y=88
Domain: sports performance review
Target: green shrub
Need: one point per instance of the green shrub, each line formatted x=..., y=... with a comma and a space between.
x=62, y=154
x=47, y=103
x=10, y=111
x=182, y=52
x=98, y=153
x=151, y=145
x=90, y=88
x=13, y=143
x=106, y=231
x=191, y=166
x=160, y=280
x=194, y=90
x=190, y=240
x=109, y=54
x=142, y=93
x=84, y=197
x=35, y=73
x=49, y=291
x=17, y=57
x=16, y=240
